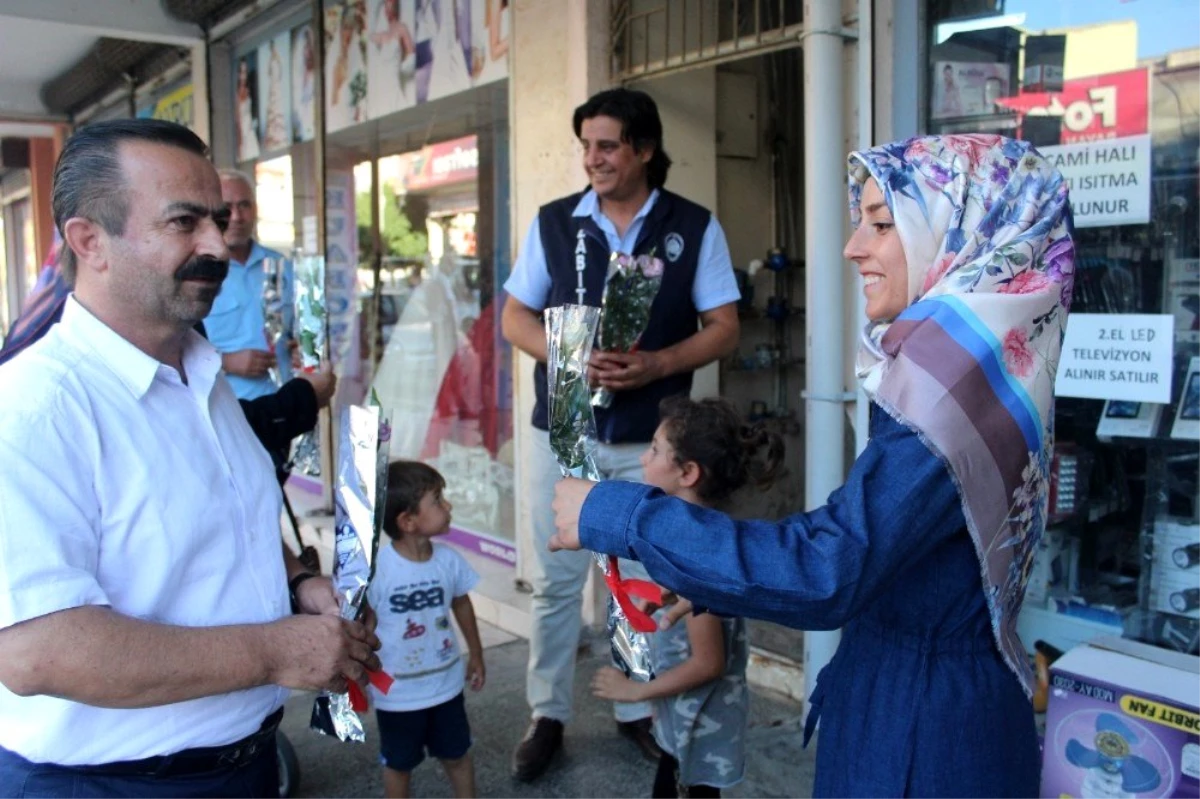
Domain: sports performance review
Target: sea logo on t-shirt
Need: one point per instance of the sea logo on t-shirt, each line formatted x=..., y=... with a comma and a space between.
x=419, y=599
x=674, y=246
x=413, y=630
x=442, y=623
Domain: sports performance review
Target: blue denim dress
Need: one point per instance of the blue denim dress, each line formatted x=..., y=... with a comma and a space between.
x=917, y=700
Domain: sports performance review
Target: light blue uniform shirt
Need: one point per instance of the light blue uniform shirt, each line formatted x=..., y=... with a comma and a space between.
x=713, y=287
x=236, y=319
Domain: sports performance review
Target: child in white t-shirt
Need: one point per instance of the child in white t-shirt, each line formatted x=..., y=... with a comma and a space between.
x=417, y=585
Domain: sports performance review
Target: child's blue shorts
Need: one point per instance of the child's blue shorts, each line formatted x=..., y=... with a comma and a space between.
x=406, y=735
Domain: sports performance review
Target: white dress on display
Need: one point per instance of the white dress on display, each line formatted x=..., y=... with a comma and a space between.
x=247, y=134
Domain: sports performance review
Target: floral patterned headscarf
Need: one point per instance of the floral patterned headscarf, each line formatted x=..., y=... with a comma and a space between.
x=986, y=229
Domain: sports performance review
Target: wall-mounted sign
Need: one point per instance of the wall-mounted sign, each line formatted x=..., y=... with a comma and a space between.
x=173, y=106
x=1108, y=106
x=1109, y=179
x=441, y=164
x=1117, y=357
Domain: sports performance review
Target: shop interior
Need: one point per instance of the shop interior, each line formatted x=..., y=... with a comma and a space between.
x=429, y=234
x=740, y=153
x=1121, y=555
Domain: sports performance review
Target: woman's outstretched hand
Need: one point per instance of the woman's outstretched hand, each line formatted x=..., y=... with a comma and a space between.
x=569, y=496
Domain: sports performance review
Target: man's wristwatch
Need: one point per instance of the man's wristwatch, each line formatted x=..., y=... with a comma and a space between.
x=293, y=584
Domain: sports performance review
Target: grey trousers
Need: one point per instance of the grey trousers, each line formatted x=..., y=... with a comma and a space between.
x=558, y=581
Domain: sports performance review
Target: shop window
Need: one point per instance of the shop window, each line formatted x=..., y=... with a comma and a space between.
x=276, y=206
x=1110, y=92
x=419, y=227
x=442, y=366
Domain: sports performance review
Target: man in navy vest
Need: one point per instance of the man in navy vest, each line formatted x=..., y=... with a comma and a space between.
x=693, y=322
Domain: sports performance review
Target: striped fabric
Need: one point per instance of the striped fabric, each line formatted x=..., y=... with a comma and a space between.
x=970, y=364
x=43, y=307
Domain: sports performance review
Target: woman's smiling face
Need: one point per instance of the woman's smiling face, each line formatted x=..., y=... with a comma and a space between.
x=876, y=249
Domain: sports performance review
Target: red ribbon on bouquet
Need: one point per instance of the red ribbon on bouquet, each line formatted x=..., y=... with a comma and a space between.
x=358, y=700
x=622, y=589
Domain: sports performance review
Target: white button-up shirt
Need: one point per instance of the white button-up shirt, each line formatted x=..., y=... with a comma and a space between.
x=121, y=485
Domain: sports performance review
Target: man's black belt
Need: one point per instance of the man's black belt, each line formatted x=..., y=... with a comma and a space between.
x=201, y=760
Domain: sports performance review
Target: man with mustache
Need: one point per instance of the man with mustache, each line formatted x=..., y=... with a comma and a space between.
x=235, y=324
x=275, y=418
x=693, y=322
x=148, y=630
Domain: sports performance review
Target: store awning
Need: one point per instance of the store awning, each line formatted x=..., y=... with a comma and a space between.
x=58, y=57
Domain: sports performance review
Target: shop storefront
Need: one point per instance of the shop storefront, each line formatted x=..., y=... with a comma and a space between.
x=410, y=149
x=1111, y=93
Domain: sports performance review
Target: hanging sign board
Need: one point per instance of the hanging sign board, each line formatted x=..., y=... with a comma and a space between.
x=1117, y=357
x=1101, y=144
x=1109, y=179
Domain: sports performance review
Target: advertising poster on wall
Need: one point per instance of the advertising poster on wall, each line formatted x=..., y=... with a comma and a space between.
x=391, y=57
x=384, y=56
x=304, y=83
x=246, y=101
x=274, y=92
x=964, y=89
x=1104, y=144
x=346, y=64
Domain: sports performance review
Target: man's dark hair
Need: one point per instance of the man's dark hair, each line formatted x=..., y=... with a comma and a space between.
x=89, y=182
x=407, y=484
x=640, y=126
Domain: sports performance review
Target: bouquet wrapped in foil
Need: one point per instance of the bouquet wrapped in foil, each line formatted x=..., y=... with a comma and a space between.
x=630, y=287
x=358, y=522
x=274, y=322
x=310, y=335
x=570, y=330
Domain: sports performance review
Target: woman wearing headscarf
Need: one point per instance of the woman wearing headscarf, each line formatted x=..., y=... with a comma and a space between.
x=964, y=244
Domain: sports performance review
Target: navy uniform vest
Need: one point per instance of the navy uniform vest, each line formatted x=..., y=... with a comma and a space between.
x=673, y=227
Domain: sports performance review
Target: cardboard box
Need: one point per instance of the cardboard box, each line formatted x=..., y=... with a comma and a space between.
x=1123, y=721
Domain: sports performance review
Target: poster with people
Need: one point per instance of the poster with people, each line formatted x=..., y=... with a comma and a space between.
x=391, y=57
x=304, y=83
x=962, y=89
x=346, y=64
x=274, y=92
x=246, y=103
x=415, y=51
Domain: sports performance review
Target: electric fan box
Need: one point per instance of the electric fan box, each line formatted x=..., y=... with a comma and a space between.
x=1122, y=721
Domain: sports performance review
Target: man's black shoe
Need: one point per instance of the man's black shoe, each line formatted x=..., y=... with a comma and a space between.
x=639, y=732
x=537, y=749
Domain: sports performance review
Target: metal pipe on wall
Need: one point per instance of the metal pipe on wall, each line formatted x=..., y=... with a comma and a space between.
x=824, y=184
x=864, y=139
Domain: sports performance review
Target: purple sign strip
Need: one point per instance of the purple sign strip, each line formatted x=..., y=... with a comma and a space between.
x=495, y=548
x=305, y=483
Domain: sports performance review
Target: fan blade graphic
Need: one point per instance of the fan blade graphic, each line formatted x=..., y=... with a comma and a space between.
x=1139, y=775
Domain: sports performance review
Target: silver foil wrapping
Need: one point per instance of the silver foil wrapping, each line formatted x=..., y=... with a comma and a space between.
x=358, y=493
x=570, y=331
x=630, y=649
x=310, y=323
x=274, y=322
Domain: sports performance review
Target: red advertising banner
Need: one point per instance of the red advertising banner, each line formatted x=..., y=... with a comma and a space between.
x=440, y=164
x=1097, y=107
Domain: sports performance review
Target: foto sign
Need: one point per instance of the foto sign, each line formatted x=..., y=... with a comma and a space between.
x=1117, y=357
